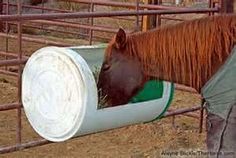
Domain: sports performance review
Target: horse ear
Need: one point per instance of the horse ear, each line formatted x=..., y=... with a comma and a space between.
x=120, y=38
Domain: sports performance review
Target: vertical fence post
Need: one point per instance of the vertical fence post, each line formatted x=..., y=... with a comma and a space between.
x=91, y=24
x=210, y=5
x=1, y=12
x=158, y=17
x=42, y=11
x=19, y=41
x=7, y=28
x=213, y=4
x=201, y=115
x=137, y=17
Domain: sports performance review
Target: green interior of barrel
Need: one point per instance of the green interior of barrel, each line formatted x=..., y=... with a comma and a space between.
x=94, y=57
x=152, y=90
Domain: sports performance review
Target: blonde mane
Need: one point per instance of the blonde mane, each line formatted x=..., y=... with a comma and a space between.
x=188, y=53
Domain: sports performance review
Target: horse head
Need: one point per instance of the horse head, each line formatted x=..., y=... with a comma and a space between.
x=121, y=75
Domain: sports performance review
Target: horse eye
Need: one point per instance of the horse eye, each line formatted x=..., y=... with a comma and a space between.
x=106, y=67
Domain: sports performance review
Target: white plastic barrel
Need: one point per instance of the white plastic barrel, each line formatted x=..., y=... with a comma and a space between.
x=59, y=95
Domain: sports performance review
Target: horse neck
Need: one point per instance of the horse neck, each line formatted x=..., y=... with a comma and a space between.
x=142, y=47
x=165, y=60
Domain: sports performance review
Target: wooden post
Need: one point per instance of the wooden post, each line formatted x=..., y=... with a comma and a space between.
x=150, y=21
x=227, y=6
x=146, y=19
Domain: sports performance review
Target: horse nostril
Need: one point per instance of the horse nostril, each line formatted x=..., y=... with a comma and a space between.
x=106, y=67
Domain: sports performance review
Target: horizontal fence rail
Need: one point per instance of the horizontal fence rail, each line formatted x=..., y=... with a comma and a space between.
x=12, y=62
x=23, y=146
x=10, y=106
x=128, y=5
x=51, y=16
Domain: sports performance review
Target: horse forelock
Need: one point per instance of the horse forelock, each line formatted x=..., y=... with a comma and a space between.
x=189, y=52
x=127, y=50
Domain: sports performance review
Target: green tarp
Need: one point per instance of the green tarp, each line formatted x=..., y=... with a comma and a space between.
x=220, y=95
x=220, y=91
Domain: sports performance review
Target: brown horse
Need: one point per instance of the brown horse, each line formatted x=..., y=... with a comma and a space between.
x=188, y=53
